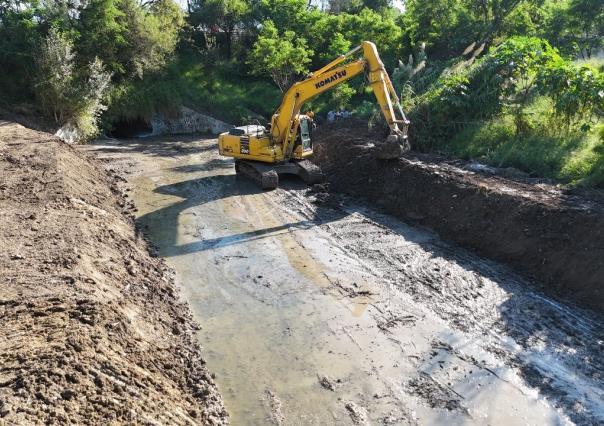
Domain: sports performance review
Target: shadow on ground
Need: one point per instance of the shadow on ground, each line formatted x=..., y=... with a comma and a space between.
x=159, y=146
x=161, y=225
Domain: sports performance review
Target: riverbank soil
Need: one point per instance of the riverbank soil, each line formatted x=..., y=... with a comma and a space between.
x=320, y=309
x=550, y=233
x=92, y=331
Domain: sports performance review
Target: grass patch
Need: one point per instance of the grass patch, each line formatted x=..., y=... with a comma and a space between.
x=217, y=90
x=574, y=157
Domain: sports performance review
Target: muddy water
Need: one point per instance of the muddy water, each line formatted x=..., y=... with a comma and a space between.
x=315, y=314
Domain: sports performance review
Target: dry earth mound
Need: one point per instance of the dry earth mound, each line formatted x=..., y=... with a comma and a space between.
x=92, y=330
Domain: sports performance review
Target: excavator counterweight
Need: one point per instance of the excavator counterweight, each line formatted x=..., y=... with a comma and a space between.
x=284, y=147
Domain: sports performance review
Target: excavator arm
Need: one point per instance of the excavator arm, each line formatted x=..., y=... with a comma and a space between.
x=283, y=123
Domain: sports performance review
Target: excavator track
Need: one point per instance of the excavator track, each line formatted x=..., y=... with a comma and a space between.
x=267, y=175
x=263, y=175
x=309, y=172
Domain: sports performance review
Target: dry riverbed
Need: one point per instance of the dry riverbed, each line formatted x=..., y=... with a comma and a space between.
x=318, y=309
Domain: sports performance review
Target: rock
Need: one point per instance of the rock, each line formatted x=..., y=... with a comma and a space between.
x=327, y=383
x=188, y=121
x=70, y=134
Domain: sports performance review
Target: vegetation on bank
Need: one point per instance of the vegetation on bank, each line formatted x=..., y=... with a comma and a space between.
x=510, y=82
x=521, y=104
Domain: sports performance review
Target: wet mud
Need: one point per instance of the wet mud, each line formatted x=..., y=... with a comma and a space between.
x=548, y=232
x=318, y=308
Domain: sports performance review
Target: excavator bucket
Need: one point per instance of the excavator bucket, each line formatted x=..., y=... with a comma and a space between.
x=393, y=147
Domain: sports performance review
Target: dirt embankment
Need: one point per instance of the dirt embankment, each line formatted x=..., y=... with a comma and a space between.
x=543, y=231
x=92, y=329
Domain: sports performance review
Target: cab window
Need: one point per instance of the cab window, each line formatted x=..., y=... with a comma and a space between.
x=305, y=134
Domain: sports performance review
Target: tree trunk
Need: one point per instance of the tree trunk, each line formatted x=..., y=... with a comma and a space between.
x=228, y=42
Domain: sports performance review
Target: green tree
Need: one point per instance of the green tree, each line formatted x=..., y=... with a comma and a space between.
x=102, y=34
x=286, y=15
x=333, y=35
x=56, y=74
x=283, y=57
x=223, y=17
x=446, y=26
x=449, y=26
x=587, y=19
x=344, y=6
x=65, y=93
x=19, y=40
x=129, y=38
x=355, y=6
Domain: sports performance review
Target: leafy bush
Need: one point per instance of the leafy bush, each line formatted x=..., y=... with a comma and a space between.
x=283, y=57
x=577, y=91
x=511, y=70
x=66, y=94
x=522, y=104
x=507, y=80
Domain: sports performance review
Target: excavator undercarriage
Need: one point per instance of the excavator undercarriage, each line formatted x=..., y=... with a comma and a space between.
x=267, y=175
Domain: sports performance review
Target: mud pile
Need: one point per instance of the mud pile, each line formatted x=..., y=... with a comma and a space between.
x=92, y=330
x=545, y=231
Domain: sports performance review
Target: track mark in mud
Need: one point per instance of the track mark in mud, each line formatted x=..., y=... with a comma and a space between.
x=403, y=320
x=436, y=394
x=543, y=344
x=357, y=413
x=548, y=231
x=275, y=407
x=409, y=293
x=440, y=345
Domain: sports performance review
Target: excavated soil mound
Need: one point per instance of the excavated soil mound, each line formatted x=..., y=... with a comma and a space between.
x=543, y=230
x=92, y=330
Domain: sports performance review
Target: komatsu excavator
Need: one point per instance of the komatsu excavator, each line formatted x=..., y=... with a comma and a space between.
x=284, y=148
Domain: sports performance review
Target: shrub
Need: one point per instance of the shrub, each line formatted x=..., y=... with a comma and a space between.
x=66, y=94
x=282, y=57
x=577, y=91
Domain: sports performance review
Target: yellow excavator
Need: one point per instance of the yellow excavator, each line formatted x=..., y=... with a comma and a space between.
x=262, y=154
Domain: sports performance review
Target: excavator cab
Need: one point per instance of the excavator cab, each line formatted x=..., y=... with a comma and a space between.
x=303, y=144
x=304, y=132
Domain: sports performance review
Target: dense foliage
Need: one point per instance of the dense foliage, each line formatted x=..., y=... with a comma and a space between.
x=65, y=94
x=512, y=82
x=69, y=57
x=520, y=104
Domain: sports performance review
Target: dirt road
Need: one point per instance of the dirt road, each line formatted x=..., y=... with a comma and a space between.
x=318, y=310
